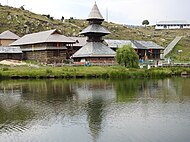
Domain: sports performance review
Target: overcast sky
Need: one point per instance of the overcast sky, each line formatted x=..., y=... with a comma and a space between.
x=129, y=12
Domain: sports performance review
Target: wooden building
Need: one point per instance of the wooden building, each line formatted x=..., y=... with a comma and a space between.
x=7, y=37
x=13, y=53
x=7, y=52
x=148, y=48
x=145, y=49
x=95, y=50
x=46, y=47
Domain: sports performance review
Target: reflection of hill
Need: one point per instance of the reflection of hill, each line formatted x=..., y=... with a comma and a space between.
x=48, y=90
x=14, y=118
x=127, y=90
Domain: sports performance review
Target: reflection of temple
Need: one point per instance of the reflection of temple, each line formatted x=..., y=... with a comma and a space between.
x=96, y=94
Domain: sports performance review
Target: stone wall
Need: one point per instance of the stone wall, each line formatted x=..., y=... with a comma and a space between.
x=48, y=56
x=6, y=56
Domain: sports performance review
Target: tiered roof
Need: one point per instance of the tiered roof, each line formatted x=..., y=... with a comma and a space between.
x=94, y=49
x=95, y=28
x=95, y=14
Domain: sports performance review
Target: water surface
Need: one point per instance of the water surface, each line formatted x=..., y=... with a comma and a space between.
x=132, y=110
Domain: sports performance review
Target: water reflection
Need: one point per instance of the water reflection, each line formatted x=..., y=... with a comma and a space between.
x=91, y=109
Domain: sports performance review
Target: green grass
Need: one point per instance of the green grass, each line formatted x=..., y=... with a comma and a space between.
x=88, y=72
x=184, y=56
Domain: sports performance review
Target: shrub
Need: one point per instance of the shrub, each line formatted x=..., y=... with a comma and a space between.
x=127, y=56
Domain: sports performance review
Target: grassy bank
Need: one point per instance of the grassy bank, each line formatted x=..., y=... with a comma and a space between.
x=87, y=72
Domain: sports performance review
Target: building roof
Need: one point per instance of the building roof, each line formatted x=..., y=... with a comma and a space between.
x=94, y=49
x=43, y=48
x=117, y=43
x=172, y=22
x=95, y=13
x=43, y=37
x=136, y=44
x=145, y=45
x=13, y=50
x=8, y=35
x=95, y=28
x=79, y=41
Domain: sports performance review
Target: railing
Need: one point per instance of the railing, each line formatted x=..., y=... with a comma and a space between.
x=170, y=47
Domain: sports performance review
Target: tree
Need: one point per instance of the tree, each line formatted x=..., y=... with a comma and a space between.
x=145, y=22
x=127, y=56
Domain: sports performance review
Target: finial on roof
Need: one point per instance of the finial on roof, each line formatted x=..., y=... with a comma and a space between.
x=95, y=13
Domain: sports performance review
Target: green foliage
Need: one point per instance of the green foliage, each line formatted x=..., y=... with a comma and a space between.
x=90, y=72
x=49, y=71
x=127, y=56
x=145, y=22
x=5, y=69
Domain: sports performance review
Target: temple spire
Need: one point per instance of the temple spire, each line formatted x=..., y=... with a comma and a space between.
x=95, y=13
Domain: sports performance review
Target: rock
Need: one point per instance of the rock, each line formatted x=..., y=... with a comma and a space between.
x=9, y=17
x=27, y=30
x=25, y=26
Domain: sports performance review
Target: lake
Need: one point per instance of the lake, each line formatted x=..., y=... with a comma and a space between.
x=97, y=110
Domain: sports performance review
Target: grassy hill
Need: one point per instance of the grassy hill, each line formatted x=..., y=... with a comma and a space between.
x=22, y=21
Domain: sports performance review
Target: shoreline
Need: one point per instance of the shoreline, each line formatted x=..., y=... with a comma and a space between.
x=65, y=72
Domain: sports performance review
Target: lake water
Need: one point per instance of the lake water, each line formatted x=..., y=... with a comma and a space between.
x=131, y=110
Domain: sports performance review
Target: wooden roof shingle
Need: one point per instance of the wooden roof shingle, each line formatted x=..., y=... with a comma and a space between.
x=42, y=37
x=12, y=50
x=95, y=28
x=95, y=13
x=9, y=35
x=94, y=49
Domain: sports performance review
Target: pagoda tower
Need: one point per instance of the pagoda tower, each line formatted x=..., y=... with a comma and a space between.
x=95, y=50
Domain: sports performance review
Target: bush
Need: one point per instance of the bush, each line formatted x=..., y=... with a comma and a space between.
x=48, y=71
x=127, y=56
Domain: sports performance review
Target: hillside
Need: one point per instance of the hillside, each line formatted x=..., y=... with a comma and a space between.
x=22, y=21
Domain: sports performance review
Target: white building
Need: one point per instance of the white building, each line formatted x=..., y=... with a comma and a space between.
x=172, y=25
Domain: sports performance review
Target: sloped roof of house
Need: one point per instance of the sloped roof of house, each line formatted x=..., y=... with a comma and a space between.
x=43, y=37
x=136, y=44
x=95, y=13
x=95, y=28
x=94, y=49
x=15, y=50
x=117, y=43
x=8, y=35
x=79, y=41
x=145, y=44
x=172, y=22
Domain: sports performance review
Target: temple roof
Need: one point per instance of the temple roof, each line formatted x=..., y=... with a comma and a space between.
x=15, y=50
x=43, y=37
x=95, y=13
x=8, y=35
x=95, y=28
x=94, y=49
